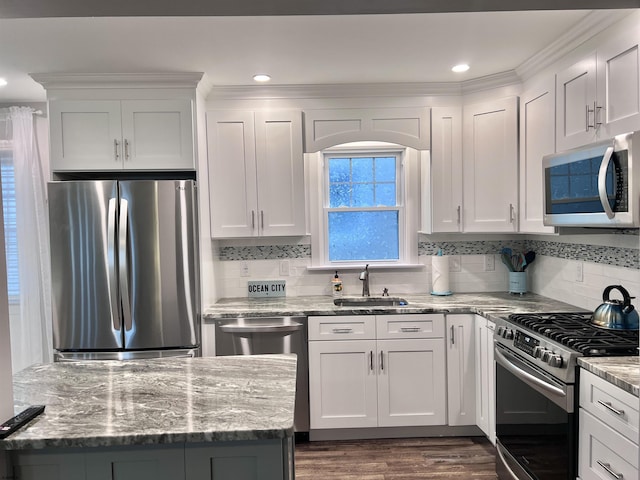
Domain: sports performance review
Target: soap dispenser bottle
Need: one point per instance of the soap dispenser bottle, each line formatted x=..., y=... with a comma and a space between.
x=336, y=285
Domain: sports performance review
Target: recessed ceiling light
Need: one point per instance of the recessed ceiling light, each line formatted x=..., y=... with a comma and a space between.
x=463, y=67
x=261, y=77
x=3, y=82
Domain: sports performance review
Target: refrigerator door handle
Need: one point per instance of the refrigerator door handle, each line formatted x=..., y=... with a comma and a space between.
x=111, y=256
x=123, y=267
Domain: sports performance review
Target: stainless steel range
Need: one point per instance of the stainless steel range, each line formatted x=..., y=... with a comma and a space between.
x=536, y=389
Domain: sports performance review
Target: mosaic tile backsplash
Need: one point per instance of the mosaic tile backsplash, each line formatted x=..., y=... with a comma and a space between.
x=600, y=254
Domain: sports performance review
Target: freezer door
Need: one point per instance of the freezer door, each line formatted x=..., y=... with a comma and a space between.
x=158, y=261
x=84, y=286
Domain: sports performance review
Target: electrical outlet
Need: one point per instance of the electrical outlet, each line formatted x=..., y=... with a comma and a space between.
x=489, y=263
x=284, y=268
x=454, y=264
x=579, y=272
x=244, y=269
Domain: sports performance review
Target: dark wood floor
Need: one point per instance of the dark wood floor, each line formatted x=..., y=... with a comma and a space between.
x=395, y=459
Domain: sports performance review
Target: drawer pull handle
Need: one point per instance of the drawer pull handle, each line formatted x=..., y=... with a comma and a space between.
x=608, y=406
x=342, y=330
x=409, y=329
x=607, y=467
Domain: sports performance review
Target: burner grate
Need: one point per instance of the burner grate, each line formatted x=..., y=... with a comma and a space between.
x=574, y=331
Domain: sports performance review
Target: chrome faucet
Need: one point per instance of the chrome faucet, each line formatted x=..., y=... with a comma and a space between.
x=364, y=276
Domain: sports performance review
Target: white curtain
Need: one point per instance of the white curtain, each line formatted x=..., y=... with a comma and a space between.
x=31, y=337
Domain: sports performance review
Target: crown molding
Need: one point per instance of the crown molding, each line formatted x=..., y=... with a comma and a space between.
x=489, y=82
x=350, y=90
x=591, y=25
x=117, y=80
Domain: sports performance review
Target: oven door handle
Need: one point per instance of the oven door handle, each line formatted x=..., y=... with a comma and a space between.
x=293, y=327
x=519, y=372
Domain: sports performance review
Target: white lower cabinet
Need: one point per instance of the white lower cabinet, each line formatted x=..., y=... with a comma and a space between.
x=485, y=377
x=608, y=425
x=394, y=377
x=461, y=374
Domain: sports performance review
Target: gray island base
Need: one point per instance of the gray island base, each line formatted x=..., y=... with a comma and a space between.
x=162, y=419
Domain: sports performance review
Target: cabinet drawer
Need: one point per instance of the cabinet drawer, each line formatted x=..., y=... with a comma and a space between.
x=410, y=326
x=611, y=404
x=603, y=452
x=348, y=327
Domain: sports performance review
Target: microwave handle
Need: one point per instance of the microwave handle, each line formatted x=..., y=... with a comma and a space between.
x=602, y=182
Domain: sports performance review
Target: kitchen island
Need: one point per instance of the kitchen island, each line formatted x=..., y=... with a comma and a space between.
x=177, y=418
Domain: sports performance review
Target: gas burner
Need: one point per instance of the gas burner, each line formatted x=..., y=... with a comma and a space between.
x=575, y=331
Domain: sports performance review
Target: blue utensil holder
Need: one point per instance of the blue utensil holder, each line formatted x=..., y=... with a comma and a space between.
x=518, y=282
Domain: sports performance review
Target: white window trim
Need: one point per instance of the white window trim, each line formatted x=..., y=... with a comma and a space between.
x=408, y=205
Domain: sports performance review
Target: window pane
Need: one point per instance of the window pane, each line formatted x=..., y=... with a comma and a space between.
x=10, y=230
x=362, y=195
x=386, y=194
x=362, y=170
x=340, y=195
x=385, y=169
x=363, y=236
x=339, y=170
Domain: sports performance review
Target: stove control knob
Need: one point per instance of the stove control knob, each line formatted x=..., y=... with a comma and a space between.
x=508, y=334
x=546, y=355
x=537, y=351
x=500, y=330
x=555, y=360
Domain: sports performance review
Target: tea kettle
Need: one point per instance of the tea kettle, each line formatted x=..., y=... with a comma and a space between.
x=616, y=314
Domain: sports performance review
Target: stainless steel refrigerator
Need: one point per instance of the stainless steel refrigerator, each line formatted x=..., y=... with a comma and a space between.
x=124, y=264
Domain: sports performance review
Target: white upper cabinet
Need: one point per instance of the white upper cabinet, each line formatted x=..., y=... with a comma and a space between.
x=490, y=166
x=404, y=126
x=256, y=175
x=446, y=170
x=599, y=96
x=537, y=138
x=107, y=135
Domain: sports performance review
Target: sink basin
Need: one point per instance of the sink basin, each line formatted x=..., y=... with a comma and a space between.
x=370, y=302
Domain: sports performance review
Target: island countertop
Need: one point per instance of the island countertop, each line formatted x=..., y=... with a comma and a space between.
x=158, y=401
x=624, y=372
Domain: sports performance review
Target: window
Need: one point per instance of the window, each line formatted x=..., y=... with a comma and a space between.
x=10, y=228
x=363, y=202
x=363, y=212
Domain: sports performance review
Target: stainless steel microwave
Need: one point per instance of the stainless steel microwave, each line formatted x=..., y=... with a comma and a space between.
x=594, y=186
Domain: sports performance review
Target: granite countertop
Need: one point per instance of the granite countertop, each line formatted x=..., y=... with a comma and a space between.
x=623, y=372
x=170, y=400
x=486, y=304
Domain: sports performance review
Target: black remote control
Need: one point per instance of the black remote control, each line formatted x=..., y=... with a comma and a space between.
x=10, y=426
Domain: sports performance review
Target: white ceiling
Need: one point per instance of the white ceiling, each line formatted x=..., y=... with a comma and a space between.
x=326, y=49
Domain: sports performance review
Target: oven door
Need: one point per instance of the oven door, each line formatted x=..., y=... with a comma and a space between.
x=535, y=421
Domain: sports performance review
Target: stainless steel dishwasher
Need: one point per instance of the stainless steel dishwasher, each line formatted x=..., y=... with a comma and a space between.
x=255, y=336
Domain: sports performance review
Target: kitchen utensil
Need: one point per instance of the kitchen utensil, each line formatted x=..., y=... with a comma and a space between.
x=616, y=314
x=529, y=257
x=506, y=259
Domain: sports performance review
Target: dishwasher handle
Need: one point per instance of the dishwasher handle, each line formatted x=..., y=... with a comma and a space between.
x=268, y=328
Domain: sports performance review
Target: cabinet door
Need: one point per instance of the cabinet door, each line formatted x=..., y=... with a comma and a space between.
x=490, y=161
x=576, y=96
x=485, y=377
x=47, y=465
x=537, y=138
x=618, y=63
x=256, y=460
x=342, y=384
x=279, y=158
x=137, y=463
x=157, y=135
x=461, y=374
x=446, y=169
x=85, y=135
x=411, y=382
x=232, y=174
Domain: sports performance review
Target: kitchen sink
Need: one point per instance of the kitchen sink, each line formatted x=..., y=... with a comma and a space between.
x=370, y=302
